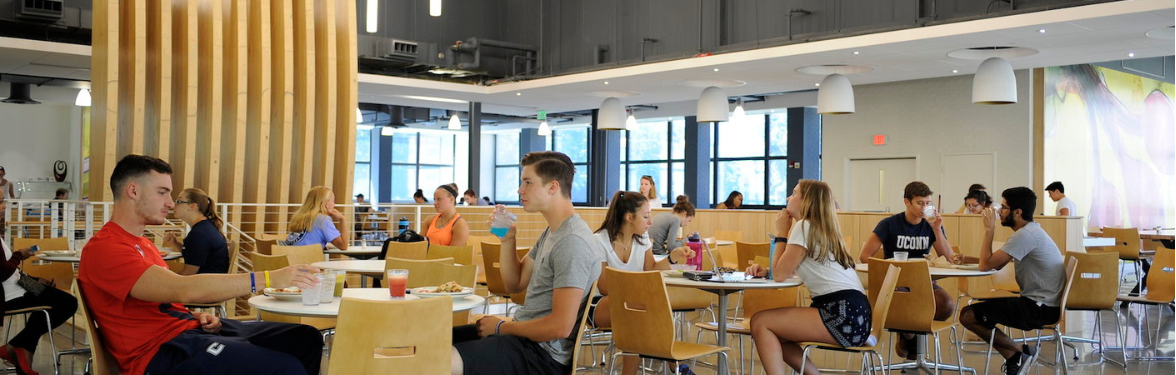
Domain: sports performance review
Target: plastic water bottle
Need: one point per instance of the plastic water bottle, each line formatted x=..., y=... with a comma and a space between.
x=402, y=226
x=501, y=222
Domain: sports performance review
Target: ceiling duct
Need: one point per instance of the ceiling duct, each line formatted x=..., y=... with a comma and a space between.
x=20, y=93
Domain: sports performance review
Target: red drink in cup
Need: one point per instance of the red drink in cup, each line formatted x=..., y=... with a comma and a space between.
x=397, y=282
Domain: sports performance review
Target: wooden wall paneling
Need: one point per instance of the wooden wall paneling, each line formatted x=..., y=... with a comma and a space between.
x=235, y=86
x=347, y=97
x=104, y=70
x=302, y=152
x=132, y=51
x=185, y=73
x=257, y=145
x=159, y=79
x=951, y=227
x=211, y=97
x=322, y=169
x=281, y=112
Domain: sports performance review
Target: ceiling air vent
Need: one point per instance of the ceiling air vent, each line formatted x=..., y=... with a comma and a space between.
x=401, y=48
x=39, y=10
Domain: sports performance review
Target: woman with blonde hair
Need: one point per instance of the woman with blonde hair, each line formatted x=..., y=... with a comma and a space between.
x=313, y=222
x=649, y=190
x=205, y=249
x=840, y=313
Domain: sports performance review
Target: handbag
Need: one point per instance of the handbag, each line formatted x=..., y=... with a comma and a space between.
x=30, y=284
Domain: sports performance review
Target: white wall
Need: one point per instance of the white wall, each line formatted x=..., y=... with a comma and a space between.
x=927, y=119
x=32, y=137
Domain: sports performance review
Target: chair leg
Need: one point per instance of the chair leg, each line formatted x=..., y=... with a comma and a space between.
x=959, y=355
x=988, y=355
x=938, y=353
x=52, y=346
x=804, y=358
x=1062, y=349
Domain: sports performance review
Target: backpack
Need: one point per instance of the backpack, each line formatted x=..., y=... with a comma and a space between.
x=408, y=235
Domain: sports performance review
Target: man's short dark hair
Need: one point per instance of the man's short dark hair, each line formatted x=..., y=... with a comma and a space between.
x=1021, y=198
x=1056, y=185
x=135, y=166
x=552, y=165
x=916, y=189
x=975, y=187
x=60, y=192
x=359, y=195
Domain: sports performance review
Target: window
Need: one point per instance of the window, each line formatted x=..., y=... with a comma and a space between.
x=658, y=150
x=574, y=143
x=751, y=155
x=425, y=160
x=362, y=183
x=506, y=167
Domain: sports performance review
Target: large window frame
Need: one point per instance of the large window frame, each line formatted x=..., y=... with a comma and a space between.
x=506, y=165
x=583, y=168
x=665, y=187
x=766, y=158
x=417, y=165
x=363, y=141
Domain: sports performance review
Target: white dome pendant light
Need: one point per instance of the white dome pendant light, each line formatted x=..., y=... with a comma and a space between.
x=835, y=97
x=994, y=83
x=712, y=105
x=611, y=115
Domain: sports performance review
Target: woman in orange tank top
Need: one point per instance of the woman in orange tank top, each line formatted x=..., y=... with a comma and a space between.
x=447, y=227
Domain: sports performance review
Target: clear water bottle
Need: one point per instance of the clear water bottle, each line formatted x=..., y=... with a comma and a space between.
x=402, y=226
x=501, y=222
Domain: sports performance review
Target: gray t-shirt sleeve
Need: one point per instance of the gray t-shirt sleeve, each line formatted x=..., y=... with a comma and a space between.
x=1018, y=245
x=579, y=260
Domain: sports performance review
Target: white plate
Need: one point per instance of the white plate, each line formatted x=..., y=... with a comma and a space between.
x=285, y=296
x=672, y=273
x=970, y=267
x=58, y=253
x=426, y=292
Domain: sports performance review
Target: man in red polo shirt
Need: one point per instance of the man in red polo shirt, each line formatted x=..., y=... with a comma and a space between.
x=133, y=296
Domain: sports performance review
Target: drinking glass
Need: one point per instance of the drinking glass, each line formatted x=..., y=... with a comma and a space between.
x=901, y=256
x=339, y=281
x=310, y=296
x=327, y=287
x=397, y=280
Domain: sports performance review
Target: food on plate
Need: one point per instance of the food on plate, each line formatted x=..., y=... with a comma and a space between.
x=292, y=289
x=727, y=270
x=449, y=287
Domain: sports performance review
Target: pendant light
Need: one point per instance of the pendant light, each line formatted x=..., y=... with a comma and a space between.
x=712, y=105
x=83, y=99
x=544, y=129
x=611, y=115
x=739, y=114
x=835, y=97
x=358, y=116
x=435, y=8
x=373, y=13
x=630, y=122
x=994, y=83
x=386, y=131
x=454, y=122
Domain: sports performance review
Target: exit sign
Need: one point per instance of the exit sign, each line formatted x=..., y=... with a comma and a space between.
x=879, y=140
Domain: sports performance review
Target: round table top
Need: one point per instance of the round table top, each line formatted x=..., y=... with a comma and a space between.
x=76, y=259
x=327, y=310
x=355, y=250
x=724, y=243
x=366, y=266
x=938, y=272
x=684, y=282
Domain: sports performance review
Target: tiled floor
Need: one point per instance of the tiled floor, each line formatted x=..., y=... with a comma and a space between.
x=1080, y=325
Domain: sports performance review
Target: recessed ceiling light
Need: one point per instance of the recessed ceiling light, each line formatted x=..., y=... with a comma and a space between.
x=606, y=82
x=1131, y=54
x=955, y=71
x=818, y=84
x=856, y=52
x=1043, y=31
x=716, y=69
x=518, y=94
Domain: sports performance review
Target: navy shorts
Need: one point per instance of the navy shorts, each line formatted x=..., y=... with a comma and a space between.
x=846, y=314
x=242, y=348
x=1016, y=312
x=502, y=354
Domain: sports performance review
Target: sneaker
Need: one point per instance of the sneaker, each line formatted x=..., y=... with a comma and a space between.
x=684, y=369
x=903, y=347
x=1012, y=365
x=1028, y=357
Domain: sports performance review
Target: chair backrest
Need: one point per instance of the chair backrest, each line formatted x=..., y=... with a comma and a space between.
x=490, y=256
x=729, y=235
x=104, y=362
x=581, y=329
x=262, y=262
x=1126, y=241
x=707, y=265
x=55, y=243
x=1006, y=278
x=60, y=273
x=642, y=320
x=418, y=270
x=305, y=254
x=1071, y=273
x=882, y=302
x=476, y=242
x=234, y=256
x=756, y=300
x=387, y=337
x=1160, y=280
x=404, y=250
x=264, y=245
x=1097, y=278
x=913, y=298
x=460, y=254
x=440, y=273
x=747, y=252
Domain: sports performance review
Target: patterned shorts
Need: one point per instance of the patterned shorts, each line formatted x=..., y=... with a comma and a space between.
x=846, y=314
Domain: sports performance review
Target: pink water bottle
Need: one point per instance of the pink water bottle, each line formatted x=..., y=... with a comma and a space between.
x=695, y=244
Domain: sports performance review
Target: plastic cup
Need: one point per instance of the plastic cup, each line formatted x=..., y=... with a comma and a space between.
x=311, y=295
x=901, y=256
x=339, y=281
x=929, y=212
x=501, y=222
x=397, y=280
x=327, y=287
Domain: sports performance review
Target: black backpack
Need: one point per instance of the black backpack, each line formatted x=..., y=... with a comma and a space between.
x=408, y=235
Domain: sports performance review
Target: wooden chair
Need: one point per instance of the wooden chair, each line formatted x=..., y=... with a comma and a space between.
x=305, y=254
x=264, y=243
x=880, y=313
x=476, y=242
x=460, y=254
x=754, y=301
x=494, y=284
x=101, y=361
x=1160, y=286
x=61, y=273
x=643, y=324
x=418, y=270
x=262, y=262
x=1098, y=279
x=747, y=252
x=915, y=305
x=1071, y=268
x=581, y=330
x=392, y=337
x=404, y=250
x=1128, y=245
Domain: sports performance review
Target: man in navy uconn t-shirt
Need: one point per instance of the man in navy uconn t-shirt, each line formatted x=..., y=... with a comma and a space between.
x=911, y=232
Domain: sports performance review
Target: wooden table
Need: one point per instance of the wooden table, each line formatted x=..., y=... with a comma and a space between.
x=1149, y=234
x=723, y=289
x=367, y=267
x=331, y=310
x=940, y=272
x=77, y=258
x=358, y=252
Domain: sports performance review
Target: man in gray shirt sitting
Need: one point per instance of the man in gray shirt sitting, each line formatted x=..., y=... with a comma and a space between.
x=557, y=275
x=1041, y=274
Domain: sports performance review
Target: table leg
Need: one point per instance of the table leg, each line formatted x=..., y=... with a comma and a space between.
x=721, y=367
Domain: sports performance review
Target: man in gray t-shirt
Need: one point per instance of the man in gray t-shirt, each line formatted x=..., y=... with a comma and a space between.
x=1040, y=272
x=557, y=275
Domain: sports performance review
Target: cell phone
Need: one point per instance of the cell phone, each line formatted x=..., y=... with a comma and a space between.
x=34, y=249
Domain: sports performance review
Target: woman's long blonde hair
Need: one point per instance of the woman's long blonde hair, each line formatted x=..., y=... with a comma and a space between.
x=824, y=231
x=314, y=205
x=652, y=187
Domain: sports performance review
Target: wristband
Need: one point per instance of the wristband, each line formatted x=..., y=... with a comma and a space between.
x=671, y=258
x=252, y=283
x=267, y=279
x=497, y=328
